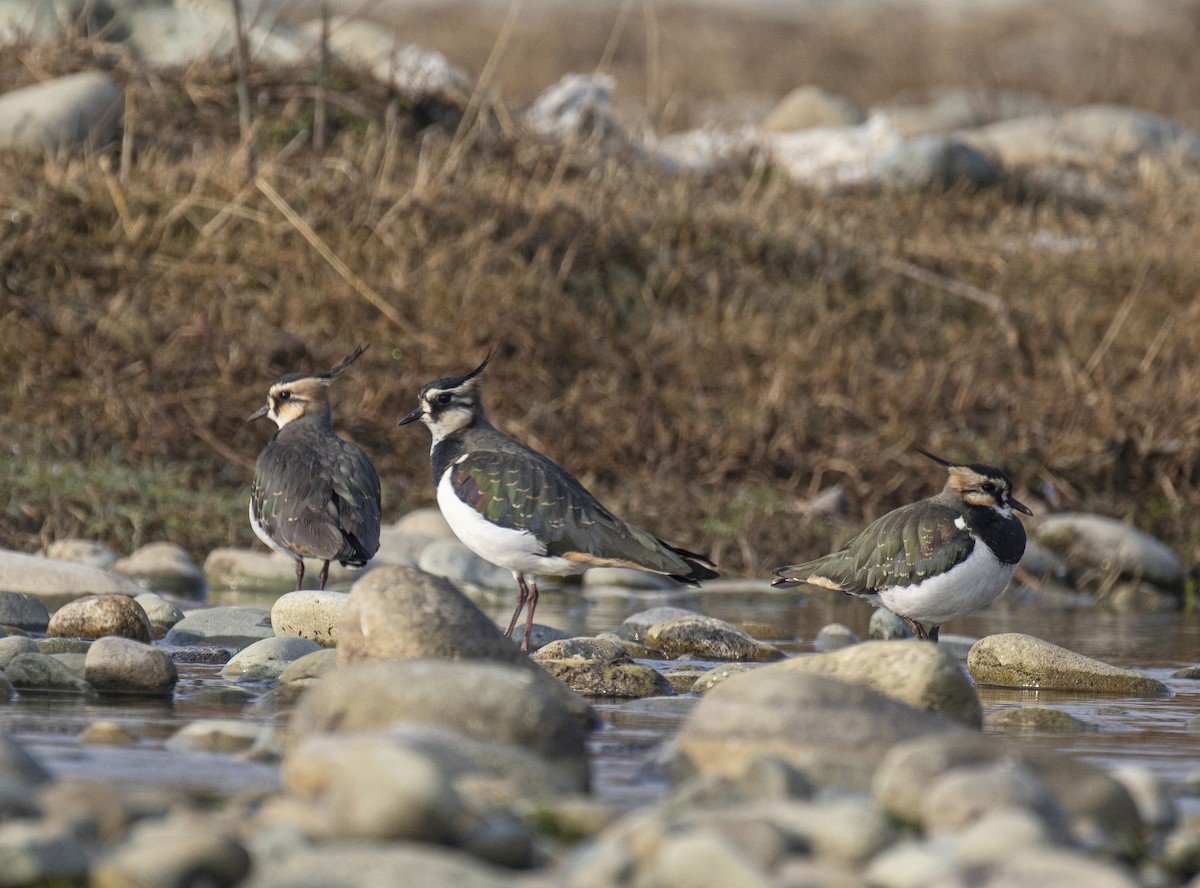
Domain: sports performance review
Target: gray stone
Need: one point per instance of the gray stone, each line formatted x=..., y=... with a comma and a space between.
x=6, y=688
x=63, y=645
x=834, y=637
x=310, y=667
x=13, y=645
x=23, y=611
x=501, y=838
x=916, y=673
x=1095, y=548
x=107, y=733
x=807, y=107
x=200, y=656
x=953, y=108
x=1043, y=563
x=1154, y=803
x=708, y=639
x=177, y=35
x=166, y=568
x=833, y=732
x=82, y=552
x=706, y=681
x=935, y=162
x=37, y=853
x=1044, y=867
x=703, y=857
x=886, y=626
x=578, y=107
x=600, y=668
x=635, y=626
x=400, y=547
x=231, y=627
x=1033, y=720
x=454, y=561
x=161, y=613
x=1189, y=672
x=76, y=662
x=1003, y=832
x=61, y=114
x=509, y=704
x=266, y=659
x=427, y=523
x=177, y=851
x=129, y=667
x=310, y=614
x=99, y=615
x=18, y=766
x=1103, y=816
x=216, y=735
x=1114, y=131
x=252, y=570
x=914, y=864
x=55, y=583
x=41, y=672
x=960, y=797
x=96, y=813
x=1014, y=660
x=400, y=613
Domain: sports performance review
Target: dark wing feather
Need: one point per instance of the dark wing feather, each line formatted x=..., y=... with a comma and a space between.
x=357, y=497
x=526, y=491
x=899, y=549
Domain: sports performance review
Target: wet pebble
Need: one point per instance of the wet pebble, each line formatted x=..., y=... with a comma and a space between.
x=106, y=733
x=74, y=661
x=309, y=667
x=621, y=678
x=41, y=672
x=310, y=613
x=708, y=638
x=1022, y=661
x=266, y=659
x=63, y=645
x=39, y=853
x=122, y=665
x=99, y=615
x=161, y=613
x=834, y=637
x=922, y=675
x=960, y=797
x=231, y=627
x=706, y=681
x=1190, y=672
x=166, y=568
x=635, y=626
x=13, y=645
x=1033, y=719
x=200, y=656
x=23, y=612
x=215, y=735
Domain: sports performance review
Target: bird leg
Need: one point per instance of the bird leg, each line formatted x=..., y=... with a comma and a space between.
x=299, y=573
x=919, y=631
x=933, y=634
x=533, y=597
x=324, y=575
x=522, y=597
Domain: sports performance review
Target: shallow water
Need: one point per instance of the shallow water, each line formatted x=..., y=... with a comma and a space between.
x=626, y=751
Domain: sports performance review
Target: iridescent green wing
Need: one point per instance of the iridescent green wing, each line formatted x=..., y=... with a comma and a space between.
x=525, y=491
x=900, y=549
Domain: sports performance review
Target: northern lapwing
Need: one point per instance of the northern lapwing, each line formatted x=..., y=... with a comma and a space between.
x=314, y=495
x=517, y=509
x=934, y=560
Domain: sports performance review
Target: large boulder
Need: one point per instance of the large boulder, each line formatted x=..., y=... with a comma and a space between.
x=1014, y=660
x=99, y=615
x=55, y=583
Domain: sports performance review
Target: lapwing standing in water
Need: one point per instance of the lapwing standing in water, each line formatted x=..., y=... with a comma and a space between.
x=931, y=561
x=517, y=509
x=314, y=494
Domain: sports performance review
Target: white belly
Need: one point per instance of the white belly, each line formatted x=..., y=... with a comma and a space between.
x=262, y=534
x=515, y=550
x=968, y=587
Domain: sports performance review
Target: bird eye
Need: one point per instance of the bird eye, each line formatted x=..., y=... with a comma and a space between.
x=445, y=398
x=989, y=487
x=284, y=396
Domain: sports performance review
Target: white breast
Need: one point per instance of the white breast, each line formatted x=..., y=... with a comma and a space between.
x=967, y=587
x=266, y=537
x=516, y=550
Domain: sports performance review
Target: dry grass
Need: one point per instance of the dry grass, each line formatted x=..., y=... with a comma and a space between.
x=705, y=353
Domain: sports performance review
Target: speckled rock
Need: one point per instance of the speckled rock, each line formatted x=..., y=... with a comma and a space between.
x=599, y=667
x=708, y=639
x=100, y=615
x=54, y=583
x=126, y=666
x=1021, y=661
x=1190, y=672
x=266, y=659
x=920, y=674
x=41, y=672
x=231, y=627
x=833, y=732
x=311, y=614
x=63, y=645
x=834, y=637
x=708, y=680
x=400, y=613
x=1033, y=720
x=13, y=645
x=523, y=707
x=635, y=626
x=1095, y=547
x=23, y=612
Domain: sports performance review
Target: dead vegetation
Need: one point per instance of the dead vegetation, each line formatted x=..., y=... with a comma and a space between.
x=706, y=353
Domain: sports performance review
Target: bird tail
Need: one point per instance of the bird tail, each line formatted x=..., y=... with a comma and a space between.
x=699, y=566
x=792, y=575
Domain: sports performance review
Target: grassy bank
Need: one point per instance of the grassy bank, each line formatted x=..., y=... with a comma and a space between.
x=706, y=353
